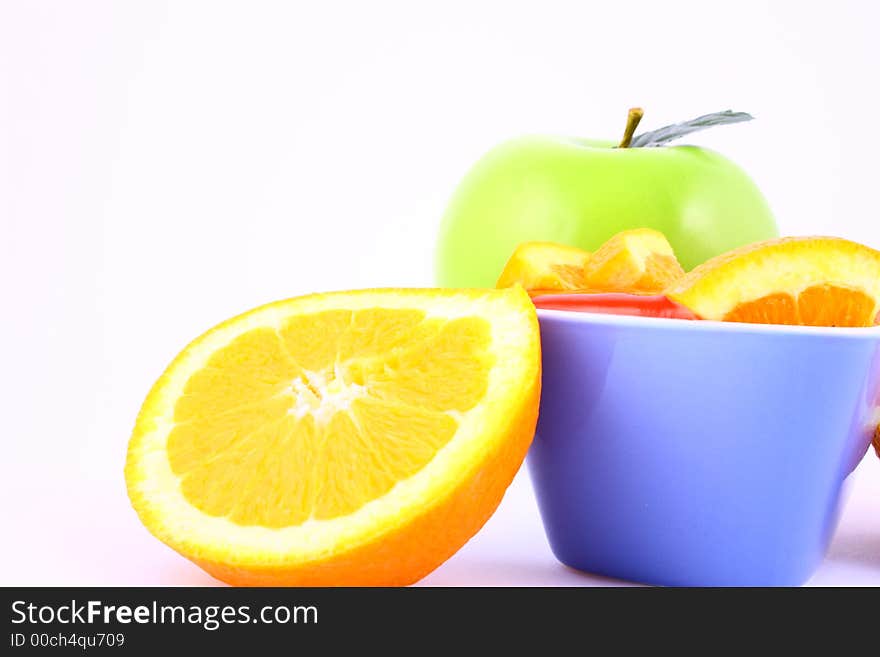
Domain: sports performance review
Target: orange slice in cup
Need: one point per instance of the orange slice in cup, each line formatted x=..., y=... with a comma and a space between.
x=639, y=261
x=810, y=281
x=545, y=266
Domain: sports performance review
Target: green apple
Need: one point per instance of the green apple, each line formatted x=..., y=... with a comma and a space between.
x=581, y=192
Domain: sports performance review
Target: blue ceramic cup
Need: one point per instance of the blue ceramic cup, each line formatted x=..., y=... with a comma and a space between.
x=698, y=453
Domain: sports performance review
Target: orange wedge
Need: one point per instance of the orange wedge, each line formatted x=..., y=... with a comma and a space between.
x=639, y=261
x=545, y=266
x=351, y=438
x=811, y=281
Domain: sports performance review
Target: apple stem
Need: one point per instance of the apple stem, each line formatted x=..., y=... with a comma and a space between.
x=632, y=122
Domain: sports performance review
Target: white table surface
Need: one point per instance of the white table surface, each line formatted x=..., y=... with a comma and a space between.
x=76, y=530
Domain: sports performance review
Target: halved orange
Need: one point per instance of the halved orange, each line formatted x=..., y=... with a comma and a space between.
x=351, y=438
x=638, y=261
x=545, y=266
x=811, y=281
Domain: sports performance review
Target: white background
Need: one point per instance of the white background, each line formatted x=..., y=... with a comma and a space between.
x=166, y=165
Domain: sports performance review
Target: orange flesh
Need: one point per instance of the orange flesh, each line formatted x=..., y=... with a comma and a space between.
x=660, y=272
x=571, y=276
x=254, y=441
x=818, y=305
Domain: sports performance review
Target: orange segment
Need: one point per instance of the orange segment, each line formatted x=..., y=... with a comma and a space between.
x=251, y=369
x=639, y=261
x=817, y=305
x=810, y=281
x=545, y=266
x=776, y=308
x=313, y=342
x=330, y=439
x=435, y=375
x=402, y=438
x=835, y=305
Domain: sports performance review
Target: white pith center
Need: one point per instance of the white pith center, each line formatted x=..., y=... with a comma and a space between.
x=322, y=396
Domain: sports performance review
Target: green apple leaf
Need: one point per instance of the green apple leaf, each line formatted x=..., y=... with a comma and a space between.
x=668, y=133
